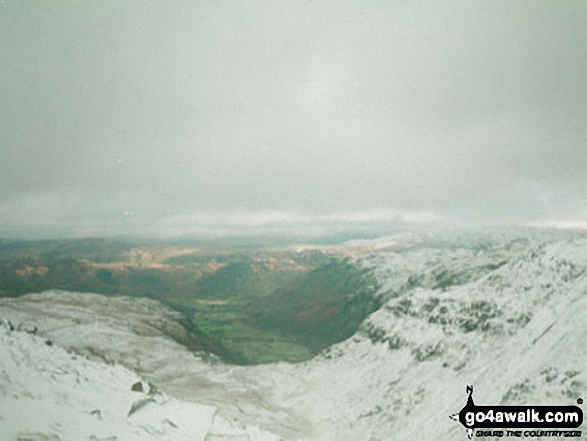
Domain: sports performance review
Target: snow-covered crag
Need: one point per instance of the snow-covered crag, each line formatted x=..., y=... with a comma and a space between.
x=505, y=312
x=48, y=394
x=517, y=333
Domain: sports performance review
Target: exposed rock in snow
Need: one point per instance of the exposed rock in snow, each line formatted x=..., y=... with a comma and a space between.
x=49, y=394
x=507, y=314
x=66, y=313
x=517, y=333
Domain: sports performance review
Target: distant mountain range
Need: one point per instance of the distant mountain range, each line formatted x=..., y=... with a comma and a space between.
x=503, y=311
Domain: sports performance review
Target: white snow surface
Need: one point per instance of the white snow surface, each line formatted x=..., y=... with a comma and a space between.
x=507, y=315
x=47, y=393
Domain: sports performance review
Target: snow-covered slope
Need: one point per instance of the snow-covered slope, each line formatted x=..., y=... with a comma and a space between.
x=507, y=314
x=518, y=334
x=49, y=394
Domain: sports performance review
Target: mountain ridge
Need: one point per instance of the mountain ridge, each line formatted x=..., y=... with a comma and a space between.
x=512, y=322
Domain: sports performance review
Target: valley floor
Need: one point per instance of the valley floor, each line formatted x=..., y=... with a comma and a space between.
x=507, y=314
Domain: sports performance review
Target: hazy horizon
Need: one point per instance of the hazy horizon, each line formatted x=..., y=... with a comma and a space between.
x=224, y=118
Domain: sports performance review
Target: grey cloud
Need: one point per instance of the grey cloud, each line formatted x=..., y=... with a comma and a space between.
x=469, y=110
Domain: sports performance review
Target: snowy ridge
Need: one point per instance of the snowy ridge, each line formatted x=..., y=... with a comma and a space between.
x=508, y=315
x=49, y=394
x=517, y=333
x=513, y=324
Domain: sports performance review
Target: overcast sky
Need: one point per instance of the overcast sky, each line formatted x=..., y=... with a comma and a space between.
x=119, y=116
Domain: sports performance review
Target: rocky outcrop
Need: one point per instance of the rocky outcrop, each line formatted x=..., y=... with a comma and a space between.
x=48, y=394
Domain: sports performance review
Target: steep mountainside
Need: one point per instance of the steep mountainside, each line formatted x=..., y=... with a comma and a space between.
x=516, y=333
x=48, y=394
x=325, y=306
x=506, y=313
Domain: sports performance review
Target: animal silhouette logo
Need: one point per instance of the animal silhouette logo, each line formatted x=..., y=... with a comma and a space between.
x=472, y=417
x=460, y=416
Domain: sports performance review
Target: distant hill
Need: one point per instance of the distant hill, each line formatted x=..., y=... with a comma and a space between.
x=506, y=313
